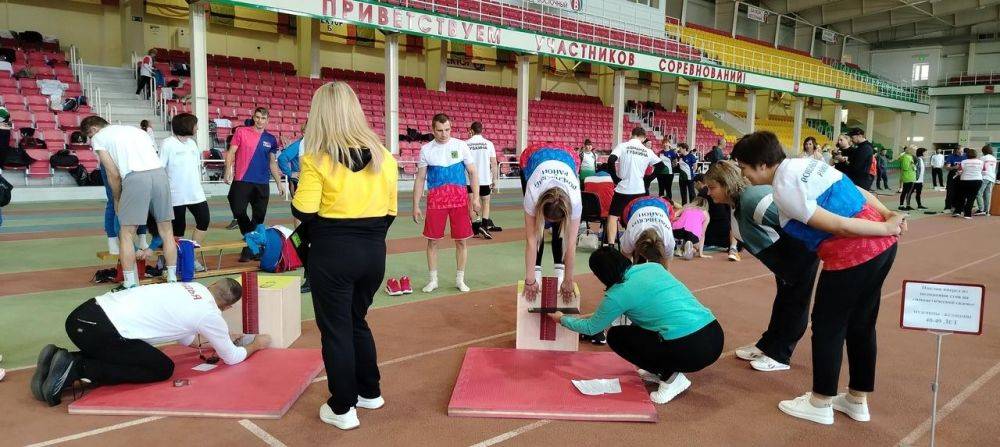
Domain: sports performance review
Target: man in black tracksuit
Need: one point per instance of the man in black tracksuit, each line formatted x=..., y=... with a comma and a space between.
x=860, y=159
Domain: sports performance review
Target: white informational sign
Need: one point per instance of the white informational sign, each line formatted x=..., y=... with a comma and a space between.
x=755, y=13
x=943, y=307
x=569, y=5
x=829, y=36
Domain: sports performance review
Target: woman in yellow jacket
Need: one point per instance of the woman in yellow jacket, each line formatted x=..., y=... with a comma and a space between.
x=347, y=200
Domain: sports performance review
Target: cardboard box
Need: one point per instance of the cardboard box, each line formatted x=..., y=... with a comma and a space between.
x=279, y=304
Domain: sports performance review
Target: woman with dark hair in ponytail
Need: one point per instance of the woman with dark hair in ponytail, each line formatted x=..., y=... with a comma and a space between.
x=671, y=332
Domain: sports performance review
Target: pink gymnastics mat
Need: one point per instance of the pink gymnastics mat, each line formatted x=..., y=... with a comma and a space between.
x=529, y=384
x=263, y=386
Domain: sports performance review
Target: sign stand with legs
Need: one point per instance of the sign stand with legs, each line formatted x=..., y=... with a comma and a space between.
x=936, y=384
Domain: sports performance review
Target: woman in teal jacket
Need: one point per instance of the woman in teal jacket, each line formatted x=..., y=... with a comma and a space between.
x=671, y=332
x=907, y=175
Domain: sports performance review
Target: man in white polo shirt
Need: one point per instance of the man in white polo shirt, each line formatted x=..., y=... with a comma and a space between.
x=139, y=186
x=632, y=159
x=484, y=155
x=116, y=333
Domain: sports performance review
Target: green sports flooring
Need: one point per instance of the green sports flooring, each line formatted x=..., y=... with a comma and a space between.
x=29, y=321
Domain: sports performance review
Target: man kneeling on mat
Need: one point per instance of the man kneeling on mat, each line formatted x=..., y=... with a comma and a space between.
x=671, y=332
x=116, y=333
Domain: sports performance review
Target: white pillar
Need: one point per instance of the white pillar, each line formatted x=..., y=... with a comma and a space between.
x=798, y=111
x=812, y=43
x=523, y=93
x=736, y=15
x=199, y=73
x=897, y=135
x=618, y=96
x=838, y=113
x=843, y=49
x=777, y=31
x=751, y=109
x=870, y=124
x=392, y=92
x=692, y=122
x=913, y=126
x=684, y=12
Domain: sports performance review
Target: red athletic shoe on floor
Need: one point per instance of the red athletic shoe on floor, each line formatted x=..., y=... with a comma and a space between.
x=404, y=285
x=392, y=287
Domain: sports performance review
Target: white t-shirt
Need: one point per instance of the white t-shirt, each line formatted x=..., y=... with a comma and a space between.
x=183, y=164
x=588, y=161
x=130, y=147
x=146, y=66
x=643, y=219
x=164, y=313
x=972, y=169
x=483, y=152
x=937, y=160
x=989, y=168
x=444, y=155
x=798, y=184
x=553, y=174
x=633, y=160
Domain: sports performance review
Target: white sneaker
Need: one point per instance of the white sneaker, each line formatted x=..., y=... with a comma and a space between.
x=801, y=408
x=858, y=412
x=647, y=376
x=670, y=389
x=765, y=363
x=461, y=285
x=344, y=421
x=430, y=287
x=749, y=352
x=370, y=404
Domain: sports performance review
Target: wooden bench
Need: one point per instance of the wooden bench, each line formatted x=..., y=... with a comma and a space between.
x=209, y=273
x=216, y=247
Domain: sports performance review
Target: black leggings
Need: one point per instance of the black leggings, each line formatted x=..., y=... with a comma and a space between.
x=904, y=196
x=882, y=179
x=647, y=350
x=105, y=357
x=967, y=192
x=914, y=190
x=647, y=180
x=687, y=191
x=200, y=213
x=937, y=176
x=846, y=307
x=256, y=195
x=789, y=316
x=343, y=290
x=142, y=86
x=557, y=246
x=665, y=182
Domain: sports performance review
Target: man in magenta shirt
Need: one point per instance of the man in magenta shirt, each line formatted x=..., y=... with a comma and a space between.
x=251, y=162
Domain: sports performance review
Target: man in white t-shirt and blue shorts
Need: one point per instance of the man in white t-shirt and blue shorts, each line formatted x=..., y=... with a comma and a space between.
x=139, y=186
x=446, y=166
x=485, y=157
x=627, y=165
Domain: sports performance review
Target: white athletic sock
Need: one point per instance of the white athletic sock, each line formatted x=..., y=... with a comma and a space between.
x=733, y=247
x=460, y=276
x=538, y=274
x=144, y=241
x=130, y=279
x=113, y=245
x=560, y=273
x=171, y=273
x=434, y=275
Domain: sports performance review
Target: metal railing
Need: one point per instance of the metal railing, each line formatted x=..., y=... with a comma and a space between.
x=966, y=78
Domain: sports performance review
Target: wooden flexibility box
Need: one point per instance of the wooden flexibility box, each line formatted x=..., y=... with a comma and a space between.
x=279, y=306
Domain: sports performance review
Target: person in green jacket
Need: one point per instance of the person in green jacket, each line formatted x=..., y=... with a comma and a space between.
x=671, y=332
x=907, y=175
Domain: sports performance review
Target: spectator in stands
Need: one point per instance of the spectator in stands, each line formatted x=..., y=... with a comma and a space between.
x=671, y=332
x=970, y=179
x=251, y=158
x=860, y=160
x=882, y=169
x=181, y=158
x=759, y=229
x=665, y=173
x=138, y=184
x=446, y=165
x=985, y=194
x=117, y=333
x=347, y=201
x=588, y=160
x=937, y=170
x=627, y=164
x=145, y=74
x=810, y=149
x=687, y=162
x=484, y=155
x=951, y=164
x=907, y=176
x=854, y=235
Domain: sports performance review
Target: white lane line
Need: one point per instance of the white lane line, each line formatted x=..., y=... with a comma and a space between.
x=949, y=407
x=260, y=433
x=97, y=431
x=517, y=431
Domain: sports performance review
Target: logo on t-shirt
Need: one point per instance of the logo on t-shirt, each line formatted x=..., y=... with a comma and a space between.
x=266, y=144
x=454, y=154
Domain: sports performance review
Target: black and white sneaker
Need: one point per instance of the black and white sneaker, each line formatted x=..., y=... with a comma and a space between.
x=490, y=226
x=233, y=225
x=42, y=370
x=61, y=376
x=484, y=233
x=599, y=339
